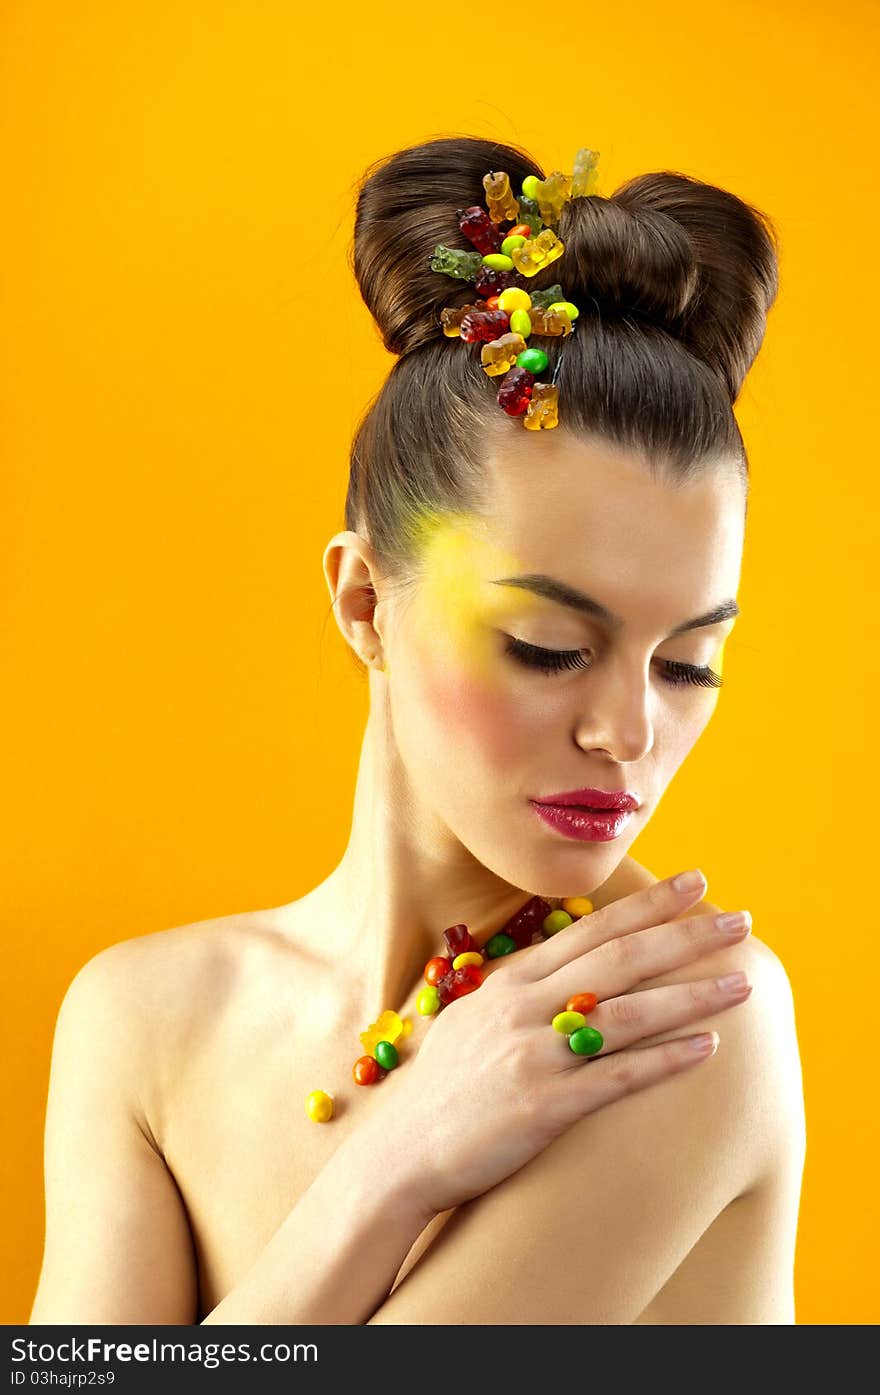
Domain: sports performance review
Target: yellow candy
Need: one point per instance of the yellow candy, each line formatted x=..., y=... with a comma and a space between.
x=387, y=1028
x=470, y=956
x=407, y=1027
x=319, y=1106
x=568, y=1022
x=577, y=906
x=567, y=307
x=514, y=298
x=520, y=323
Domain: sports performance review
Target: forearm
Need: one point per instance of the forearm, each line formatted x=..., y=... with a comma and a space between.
x=335, y=1257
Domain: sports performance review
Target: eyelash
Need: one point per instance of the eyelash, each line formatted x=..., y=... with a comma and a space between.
x=555, y=660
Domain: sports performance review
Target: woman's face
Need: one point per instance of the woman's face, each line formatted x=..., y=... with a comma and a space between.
x=480, y=731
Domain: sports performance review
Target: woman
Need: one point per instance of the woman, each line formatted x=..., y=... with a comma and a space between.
x=539, y=612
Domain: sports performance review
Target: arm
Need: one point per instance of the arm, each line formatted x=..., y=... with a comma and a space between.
x=592, y=1229
x=118, y=1248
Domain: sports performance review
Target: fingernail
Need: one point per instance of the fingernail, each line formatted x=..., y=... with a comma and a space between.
x=731, y=983
x=688, y=881
x=733, y=921
x=706, y=1041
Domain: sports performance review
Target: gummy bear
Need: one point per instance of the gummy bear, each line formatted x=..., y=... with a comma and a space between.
x=479, y=229
x=551, y=193
x=537, y=253
x=482, y=325
x=489, y=281
x=452, y=316
x=550, y=322
x=585, y=175
x=530, y=213
x=459, y=940
x=388, y=1027
x=513, y=395
x=541, y=299
x=543, y=407
x=499, y=197
x=452, y=261
x=526, y=922
x=501, y=354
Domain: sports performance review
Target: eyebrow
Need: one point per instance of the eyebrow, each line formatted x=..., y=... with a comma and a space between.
x=554, y=590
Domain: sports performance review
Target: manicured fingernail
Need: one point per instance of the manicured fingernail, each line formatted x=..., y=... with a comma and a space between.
x=731, y=983
x=688, y=881
x=705, y=1042
x=731, y=922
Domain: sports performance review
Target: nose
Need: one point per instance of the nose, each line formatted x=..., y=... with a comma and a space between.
x=617, y=718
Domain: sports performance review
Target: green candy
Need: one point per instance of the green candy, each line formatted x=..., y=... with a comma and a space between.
x=514, y=240
x=534, y=361
x=556, y=920
x=520, y=323
x=386, y=1054
x=567, y=306
x=586, y=1041
x=498, y=261
x=498, y=945
x=428, y=1001
x=544, y=299
x=530, y=187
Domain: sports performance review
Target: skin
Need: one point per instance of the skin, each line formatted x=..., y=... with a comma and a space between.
x=208, y=1031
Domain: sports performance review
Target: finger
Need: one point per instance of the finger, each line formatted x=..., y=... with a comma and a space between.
x=619, y=964
x=627, y=1020
x=622, y=1073
x=651, y=906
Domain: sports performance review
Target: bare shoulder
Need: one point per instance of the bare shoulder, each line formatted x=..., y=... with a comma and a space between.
x=153, y=997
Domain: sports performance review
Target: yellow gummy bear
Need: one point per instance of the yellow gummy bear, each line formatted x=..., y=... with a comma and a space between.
x=388, y=1027
x=500, y=201
x=543, y=407
x=500, y=354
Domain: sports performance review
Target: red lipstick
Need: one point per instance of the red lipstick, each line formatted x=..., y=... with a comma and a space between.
x=589, y=815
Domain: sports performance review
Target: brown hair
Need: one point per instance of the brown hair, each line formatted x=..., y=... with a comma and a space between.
x=673, y=278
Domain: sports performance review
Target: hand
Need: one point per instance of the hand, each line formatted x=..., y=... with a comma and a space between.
x=493, y=1084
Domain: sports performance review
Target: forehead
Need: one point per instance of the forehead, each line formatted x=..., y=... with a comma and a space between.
x=595, y=516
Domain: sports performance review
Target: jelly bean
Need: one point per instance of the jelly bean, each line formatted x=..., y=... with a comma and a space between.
x=568, y=1022
x=514, y=298
x=470, y=956
x=436, y=968
x=493, y=302
x=577, y=905
x=459, y=939
x=556, y=920
x=497, y=261
x=521, y=230
x=581, y=1002
x=530, y=186
x=512, y=240
x=367, y=1071
x=386, y=1054
x=498, y=946
x=319, y=1106
x=428, y=1002
x=533, y=360
x=586, y=1041
x=520, y=323
x=567, y=307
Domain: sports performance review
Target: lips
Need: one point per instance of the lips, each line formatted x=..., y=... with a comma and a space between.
x=593, y=800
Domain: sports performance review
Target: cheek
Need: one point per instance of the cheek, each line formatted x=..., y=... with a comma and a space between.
x=476, y=717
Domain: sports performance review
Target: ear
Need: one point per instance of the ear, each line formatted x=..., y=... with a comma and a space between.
x=352, y=574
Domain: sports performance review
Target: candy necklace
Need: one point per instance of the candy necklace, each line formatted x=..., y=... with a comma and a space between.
x=458, y=972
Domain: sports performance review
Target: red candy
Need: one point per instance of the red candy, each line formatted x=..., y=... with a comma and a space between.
x=492, y=282
x=479, y=326
x=479, y=229
x=436, y=968
x=530, y=917
x=367, y=1071
x=460, y=941
x=514, y=396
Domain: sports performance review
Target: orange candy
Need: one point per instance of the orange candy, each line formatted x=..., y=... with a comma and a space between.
x=437, y=968
x=492, y=302
x=521, y=230
x=367, y=1071
x=581, y=1002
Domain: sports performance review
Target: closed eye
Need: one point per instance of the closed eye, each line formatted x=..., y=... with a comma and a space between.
x=674, y=673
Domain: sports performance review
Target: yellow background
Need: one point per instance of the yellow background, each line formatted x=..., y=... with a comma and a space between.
x=184, y=360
